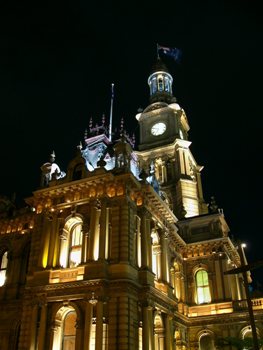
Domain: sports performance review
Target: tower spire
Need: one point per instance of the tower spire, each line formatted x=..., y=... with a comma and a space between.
x=157, y=48
x=111, y=110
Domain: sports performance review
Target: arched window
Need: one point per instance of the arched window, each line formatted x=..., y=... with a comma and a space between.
x=64, y=332
x=71, y=243
x=246, y=335
x=206, y=342
x=202, y=287
x=69, y=331
x=3, y=268
x=75, y=246
x=159, y=332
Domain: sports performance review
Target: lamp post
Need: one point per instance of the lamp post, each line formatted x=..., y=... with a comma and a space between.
x=244, y=268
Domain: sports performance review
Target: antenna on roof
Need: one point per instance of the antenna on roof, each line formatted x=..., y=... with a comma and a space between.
x=111, y=109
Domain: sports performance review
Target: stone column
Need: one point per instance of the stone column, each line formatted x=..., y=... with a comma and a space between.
x=181, y=161
x=94, y=221
x=146, y=240
x=33, y=327
x=53, y=336
x=199, y=186
x=55, y=260
x=52, y=241
x=85, y=239
x=182, y=287
x=88, y=324
x=158, y=253
x=124, y=246
x=79, y=335
x=173, y=281
x=164, y=263
x=168, y=333
x=13, y=268
x=43, y=258
x=138, y=242
x=104, y=231
x=212, y=285
x=147, y=328
x=99, y=325
x=42, y=327
x=178, y=285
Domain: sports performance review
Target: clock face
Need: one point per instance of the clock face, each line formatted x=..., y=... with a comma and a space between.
x=158, y=129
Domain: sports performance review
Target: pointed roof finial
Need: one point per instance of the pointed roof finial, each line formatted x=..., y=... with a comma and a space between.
x=111, y=111
x=157, y=47
x=122, y=124
x=90, y=123
x=133, y=139
x=213, y=205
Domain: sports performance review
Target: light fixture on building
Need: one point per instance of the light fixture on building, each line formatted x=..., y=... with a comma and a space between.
x=93, y=300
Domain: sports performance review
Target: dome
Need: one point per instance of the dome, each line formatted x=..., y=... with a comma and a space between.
x=160, y=83
x=156, y=105
x=159, y=66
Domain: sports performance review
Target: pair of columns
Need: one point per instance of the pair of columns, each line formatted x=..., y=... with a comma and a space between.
x=165, y=340
x=39, y=330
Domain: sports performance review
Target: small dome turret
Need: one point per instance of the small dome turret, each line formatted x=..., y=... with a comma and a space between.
x=160, y=82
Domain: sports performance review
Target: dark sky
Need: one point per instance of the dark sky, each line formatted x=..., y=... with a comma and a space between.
x=59, y=58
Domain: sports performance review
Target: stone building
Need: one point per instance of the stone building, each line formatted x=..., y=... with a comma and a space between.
x=121, y=251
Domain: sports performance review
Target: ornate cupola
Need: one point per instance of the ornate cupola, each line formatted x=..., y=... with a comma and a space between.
x=160, y=82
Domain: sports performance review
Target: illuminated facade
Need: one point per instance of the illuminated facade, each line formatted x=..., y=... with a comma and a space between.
x=121, y=251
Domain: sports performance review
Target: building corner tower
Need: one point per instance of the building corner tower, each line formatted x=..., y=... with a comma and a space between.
x=164, y=148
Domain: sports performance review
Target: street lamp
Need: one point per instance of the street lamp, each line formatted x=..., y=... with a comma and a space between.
x=244, y=268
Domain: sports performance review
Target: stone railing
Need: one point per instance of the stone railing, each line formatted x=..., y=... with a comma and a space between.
x=219, y=308
x=240, y=305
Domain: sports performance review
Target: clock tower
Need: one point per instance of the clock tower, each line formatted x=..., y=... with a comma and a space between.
x=164, y=151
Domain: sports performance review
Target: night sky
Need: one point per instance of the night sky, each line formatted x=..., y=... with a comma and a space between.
x=59, y=58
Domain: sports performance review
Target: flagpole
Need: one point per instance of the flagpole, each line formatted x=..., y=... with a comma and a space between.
x=111, y=109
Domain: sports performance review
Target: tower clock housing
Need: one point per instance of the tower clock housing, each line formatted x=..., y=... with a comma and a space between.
x=161, y=124
x=164, y=148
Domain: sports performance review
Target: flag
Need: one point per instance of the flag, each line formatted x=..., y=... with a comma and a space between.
x=171, y=52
